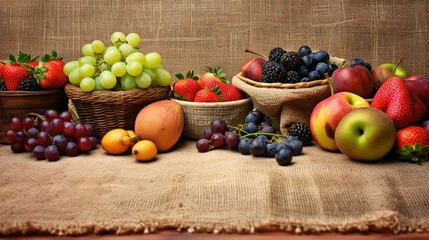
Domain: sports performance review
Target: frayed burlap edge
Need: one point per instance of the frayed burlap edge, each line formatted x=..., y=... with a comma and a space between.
x=385, y=224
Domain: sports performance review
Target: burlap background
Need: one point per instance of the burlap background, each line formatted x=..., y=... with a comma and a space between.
x=217, y=191
x=200, y=33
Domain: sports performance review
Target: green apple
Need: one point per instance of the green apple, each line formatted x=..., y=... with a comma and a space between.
x=328, y=113
x=365, y=134
x=387, y=70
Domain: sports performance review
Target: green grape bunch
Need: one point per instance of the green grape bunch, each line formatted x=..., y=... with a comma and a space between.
x=120, y=66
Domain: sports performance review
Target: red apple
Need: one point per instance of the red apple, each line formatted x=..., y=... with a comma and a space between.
x=252, y=69
x=420, y=86
x=416, y=77
x=387, y=70
x=356, y=79
x=328, y=113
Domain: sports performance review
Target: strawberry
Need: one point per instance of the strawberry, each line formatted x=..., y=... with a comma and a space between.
x=207, y=95
x=49, y=72
x=14, y=71
x=215, y=74
x=186, y=87
x=230, y=93
x=412, y=143
x=401, y=105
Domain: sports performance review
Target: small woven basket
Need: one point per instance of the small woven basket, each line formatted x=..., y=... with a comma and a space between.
x=107, y=110
x=198, y=115
x=286, y=103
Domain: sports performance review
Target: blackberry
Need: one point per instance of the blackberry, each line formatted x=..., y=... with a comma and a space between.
x=291, y=77
x=276, y=54
x=29, y=84
x=291, y=60
x=272, y=72
x=2, y=86
x=302, y=131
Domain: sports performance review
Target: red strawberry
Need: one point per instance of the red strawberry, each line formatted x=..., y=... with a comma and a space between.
x=230, y=93
x=412, y=143
x=215, y=74
x=186, y=87
x=14, y=71
x=49, y=72
x=207, y=95
x=401, y=105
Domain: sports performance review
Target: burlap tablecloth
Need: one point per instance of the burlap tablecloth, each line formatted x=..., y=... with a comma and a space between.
x=218, y=191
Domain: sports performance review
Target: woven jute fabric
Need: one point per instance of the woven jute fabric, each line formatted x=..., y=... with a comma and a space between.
x=192, y=35
x=219, y=191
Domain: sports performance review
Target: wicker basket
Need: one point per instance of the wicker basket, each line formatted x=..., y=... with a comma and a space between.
x=198, y=116
x=107, y=110
x=19, y=103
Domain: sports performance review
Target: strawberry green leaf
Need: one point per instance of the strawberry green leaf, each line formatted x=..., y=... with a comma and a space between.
x=179, y=97
x=218, y=72
x=179, y=76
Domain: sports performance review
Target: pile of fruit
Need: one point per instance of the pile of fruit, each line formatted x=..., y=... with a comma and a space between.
x=24, y=73
x=284, y=66
x=212, y=86
x=150, y=135
x=394, y=121
x=372, y=112
x=50, y=136
x=256, y=137
x=119, y=66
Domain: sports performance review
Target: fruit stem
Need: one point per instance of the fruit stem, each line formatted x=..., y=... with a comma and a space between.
x=36, y=116
x=262, y=133
x=394, y=70
x=330, y=83
x=259, y=54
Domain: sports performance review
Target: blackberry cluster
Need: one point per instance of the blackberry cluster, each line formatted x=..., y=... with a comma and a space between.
x=273, y=72
x=29, y=84
x=276, y=54
x=2, y=86
x=302, y=132
x=309, y=65
x=291, y=60
x=292, y=77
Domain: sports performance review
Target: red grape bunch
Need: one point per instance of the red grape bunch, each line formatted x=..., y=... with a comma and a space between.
x=50, y=136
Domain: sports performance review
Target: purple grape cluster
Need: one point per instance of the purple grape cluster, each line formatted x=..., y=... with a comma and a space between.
x=50, y=136
x=217, y=135
x=256, y=137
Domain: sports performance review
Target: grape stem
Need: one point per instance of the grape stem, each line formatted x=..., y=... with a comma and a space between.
x=36, y=116
x=255, y=134
x=262, y=133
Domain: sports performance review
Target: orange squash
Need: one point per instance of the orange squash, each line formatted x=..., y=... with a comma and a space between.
x=160, y=122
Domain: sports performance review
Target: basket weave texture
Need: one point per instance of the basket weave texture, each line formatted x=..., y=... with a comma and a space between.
x=107, y=110
x=198, y=115
x=286, y=103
